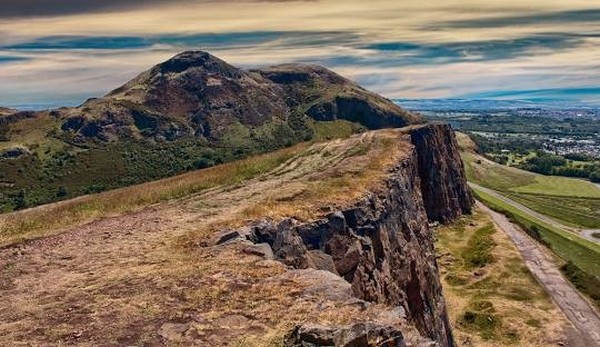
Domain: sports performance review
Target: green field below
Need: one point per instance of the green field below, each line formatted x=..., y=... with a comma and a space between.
x=574, y=202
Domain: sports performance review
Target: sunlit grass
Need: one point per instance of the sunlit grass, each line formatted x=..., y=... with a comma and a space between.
x=39, y=221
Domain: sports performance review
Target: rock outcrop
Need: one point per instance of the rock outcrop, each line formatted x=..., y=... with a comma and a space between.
x=443, y=179
x=382, y=244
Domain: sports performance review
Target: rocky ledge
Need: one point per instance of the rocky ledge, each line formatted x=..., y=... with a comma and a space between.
x=381, y=246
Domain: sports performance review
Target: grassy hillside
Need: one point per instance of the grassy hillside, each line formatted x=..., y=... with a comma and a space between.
x=52, y=167
x=339, y=186
x=581, y=257
x=571, y=201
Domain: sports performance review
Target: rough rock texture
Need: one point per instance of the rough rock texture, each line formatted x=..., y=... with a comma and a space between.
x=443, y=180
x=382, y=244
x=357, y=335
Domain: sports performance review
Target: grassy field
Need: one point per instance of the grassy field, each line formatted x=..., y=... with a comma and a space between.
x=575, y=212
x=492, y=298
x=572, y=201
x=31, y=223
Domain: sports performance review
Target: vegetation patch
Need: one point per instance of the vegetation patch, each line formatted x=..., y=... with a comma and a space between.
x=478, y=251
x=583, y=281
x=490, y=302
x=485, y=324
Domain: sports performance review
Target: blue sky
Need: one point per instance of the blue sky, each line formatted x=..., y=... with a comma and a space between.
x=60, y=52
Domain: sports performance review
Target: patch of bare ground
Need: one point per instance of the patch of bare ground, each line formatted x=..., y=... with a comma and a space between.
x=492, y=297
x=148, y=278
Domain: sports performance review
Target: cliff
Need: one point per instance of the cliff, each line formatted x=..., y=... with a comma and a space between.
x=443, y=180
x=382, y=244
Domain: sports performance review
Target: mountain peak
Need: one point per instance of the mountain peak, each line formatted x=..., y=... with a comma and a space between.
x=198, y=60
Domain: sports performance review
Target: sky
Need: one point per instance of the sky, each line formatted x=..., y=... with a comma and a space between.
x=61, y=52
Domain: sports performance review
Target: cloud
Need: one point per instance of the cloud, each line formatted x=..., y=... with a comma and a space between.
x=590, y=95
x=591, y=15
x=69, y=50
x=229, y=39
x=49, y=8
x=448, y=52
x=9, y=58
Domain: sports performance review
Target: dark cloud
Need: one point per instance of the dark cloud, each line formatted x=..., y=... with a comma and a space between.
x=578, y=16
x=451, y=52
x=41, y=8
x=48, y=8
x=200, y=40
x=10, y=59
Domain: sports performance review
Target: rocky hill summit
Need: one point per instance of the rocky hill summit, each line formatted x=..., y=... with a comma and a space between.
x=197, y=94
x=191, y=111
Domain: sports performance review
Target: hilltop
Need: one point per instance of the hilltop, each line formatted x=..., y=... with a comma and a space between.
x=189, y=112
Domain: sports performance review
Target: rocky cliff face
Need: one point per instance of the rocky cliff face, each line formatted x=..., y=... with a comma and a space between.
x=443, y=180
x=382, y=245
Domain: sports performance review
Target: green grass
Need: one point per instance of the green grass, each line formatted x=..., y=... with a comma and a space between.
x=503, y=178
x=583, y=281
x=486, y=283
x=584, y=254
x=560, y=186
x=573, y=202
x=478, y=253
x=575, y=212
x=335, y=129
x=493, y=175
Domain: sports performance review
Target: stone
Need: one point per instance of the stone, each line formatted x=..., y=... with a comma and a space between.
x=262, y=250
x=321, y=261
x=173, y=331
x=356, y=335
x=227, y=236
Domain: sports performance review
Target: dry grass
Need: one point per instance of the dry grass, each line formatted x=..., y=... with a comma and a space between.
x=498, y=302
x=123, y=278
x=52, y=218
x=359, y=170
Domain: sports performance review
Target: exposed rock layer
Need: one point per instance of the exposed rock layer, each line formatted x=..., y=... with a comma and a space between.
x=382, y=244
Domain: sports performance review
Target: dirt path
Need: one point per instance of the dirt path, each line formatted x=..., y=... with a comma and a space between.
x=583, y=233
x=583, y=316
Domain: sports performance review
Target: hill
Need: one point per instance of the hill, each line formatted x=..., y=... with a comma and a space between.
x=192, y=111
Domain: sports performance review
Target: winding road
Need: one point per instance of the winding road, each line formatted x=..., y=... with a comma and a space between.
x=579, y=311
x=587, y=234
